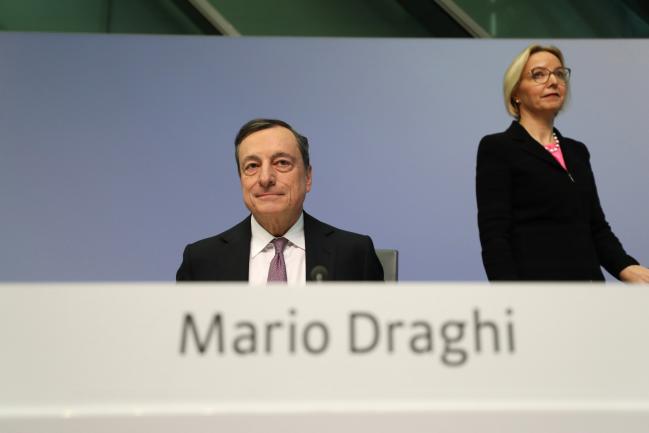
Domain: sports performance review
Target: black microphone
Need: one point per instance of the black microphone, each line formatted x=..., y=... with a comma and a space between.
x=319, y=273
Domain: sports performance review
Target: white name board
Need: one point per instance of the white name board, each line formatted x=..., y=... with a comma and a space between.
x=322, y=357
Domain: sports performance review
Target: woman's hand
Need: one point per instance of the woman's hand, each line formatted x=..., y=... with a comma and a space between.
x=635, y=274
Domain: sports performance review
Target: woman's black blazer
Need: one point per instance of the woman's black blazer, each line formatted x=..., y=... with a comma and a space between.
x=538, y=221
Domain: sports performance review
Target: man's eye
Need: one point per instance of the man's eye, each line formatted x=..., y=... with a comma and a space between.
x=250, y=167
x=283, y=164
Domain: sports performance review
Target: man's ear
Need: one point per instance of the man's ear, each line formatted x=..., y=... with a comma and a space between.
x=309, y=178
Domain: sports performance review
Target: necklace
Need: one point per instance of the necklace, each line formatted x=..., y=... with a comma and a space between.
x=553, y=147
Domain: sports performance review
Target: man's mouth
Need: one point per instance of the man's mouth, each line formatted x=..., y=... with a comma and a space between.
x=268, y=194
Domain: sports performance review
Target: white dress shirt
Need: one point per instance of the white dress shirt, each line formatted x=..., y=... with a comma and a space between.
x=262, y=252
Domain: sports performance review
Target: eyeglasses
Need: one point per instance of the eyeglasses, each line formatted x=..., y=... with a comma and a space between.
x=542, y=75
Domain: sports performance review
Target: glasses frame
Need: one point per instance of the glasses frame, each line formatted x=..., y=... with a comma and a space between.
x=568, y=73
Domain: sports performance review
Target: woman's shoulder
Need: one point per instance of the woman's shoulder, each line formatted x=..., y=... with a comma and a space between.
x=496, y=137
x=576, y=145
x=498, y=141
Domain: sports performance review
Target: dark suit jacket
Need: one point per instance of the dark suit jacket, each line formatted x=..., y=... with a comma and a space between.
x=225, y=257
x=537, y=221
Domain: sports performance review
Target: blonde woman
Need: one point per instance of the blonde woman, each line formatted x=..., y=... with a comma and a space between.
x=539, y=214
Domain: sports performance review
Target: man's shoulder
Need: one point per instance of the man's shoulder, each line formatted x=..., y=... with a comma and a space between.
x=218, y=258
x=221, y=240
x=315, y=226
x=349, y=256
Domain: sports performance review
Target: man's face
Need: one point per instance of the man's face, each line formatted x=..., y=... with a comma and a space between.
x=274, y=180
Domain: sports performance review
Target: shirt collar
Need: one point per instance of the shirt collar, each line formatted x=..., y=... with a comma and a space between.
x=261, y=238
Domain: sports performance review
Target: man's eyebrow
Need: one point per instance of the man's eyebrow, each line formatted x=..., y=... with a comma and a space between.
x=251, y=157
x=283, y=155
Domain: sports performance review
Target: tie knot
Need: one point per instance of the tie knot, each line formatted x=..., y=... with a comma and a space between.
x=279, y=244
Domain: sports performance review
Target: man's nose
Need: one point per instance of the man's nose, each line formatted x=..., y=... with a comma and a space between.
x=266, y=176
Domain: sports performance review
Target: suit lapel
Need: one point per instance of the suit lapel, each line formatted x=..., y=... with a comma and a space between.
x=530, y=145
x=566, y=151
x=319, y=250
x=237, y=261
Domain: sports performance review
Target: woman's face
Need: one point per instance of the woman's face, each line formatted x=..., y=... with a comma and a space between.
x=536, y=98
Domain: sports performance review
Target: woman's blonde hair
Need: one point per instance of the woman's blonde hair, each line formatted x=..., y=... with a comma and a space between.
x=514, y=73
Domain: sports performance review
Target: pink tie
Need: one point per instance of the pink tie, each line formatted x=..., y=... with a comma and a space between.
x=277, y=270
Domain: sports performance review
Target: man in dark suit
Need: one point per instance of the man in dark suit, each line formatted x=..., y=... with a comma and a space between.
x=279, y=241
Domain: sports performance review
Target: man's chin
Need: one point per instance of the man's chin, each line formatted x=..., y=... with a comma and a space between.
x=268, y=211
